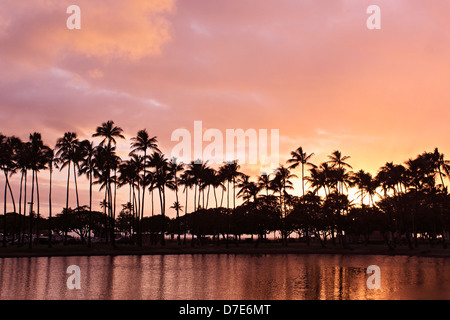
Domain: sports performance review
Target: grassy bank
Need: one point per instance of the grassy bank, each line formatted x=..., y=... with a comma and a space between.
x=242, y=248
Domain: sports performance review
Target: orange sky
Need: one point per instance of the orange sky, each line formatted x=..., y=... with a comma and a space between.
x=308, y=68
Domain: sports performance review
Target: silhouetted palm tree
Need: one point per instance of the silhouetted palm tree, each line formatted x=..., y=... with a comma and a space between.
x=22, y=163
x=65, y=147
x=109, y=131
x=163, y=179
x=299, y=157
x=248, y=189
x=88, y=168
x=7, y=165
x=143, y=143
x=174, y=168
x=50, y=163
x=442, y=166
x=366, y=185
x=39, y=161
x=338, y=160
x=282, y=182
x=107, y=163
x=264, y=182
x=230, y=172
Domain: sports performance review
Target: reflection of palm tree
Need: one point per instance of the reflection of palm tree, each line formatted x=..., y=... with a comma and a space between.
x=300, y=157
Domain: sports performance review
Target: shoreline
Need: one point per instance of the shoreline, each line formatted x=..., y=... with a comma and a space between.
x=241, y=249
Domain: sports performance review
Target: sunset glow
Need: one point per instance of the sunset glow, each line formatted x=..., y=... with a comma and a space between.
x=311, y=69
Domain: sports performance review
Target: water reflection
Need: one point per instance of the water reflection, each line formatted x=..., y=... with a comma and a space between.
x=286, y=277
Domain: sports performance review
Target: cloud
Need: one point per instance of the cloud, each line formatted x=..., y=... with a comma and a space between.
x=36, y=31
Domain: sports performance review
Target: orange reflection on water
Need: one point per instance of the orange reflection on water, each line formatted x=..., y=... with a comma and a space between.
x=264, y=277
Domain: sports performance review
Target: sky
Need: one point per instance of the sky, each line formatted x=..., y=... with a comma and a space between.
x=309, y=68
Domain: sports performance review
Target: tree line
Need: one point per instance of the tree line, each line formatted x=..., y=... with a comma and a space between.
x=403, y=203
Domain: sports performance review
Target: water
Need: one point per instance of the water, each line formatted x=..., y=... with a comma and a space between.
x=286, y=277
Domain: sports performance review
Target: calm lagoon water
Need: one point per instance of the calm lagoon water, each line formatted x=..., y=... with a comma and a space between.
x=285, y=277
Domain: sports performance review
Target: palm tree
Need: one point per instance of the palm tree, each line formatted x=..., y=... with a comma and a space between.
x=177, y=206
x=65, y=147
x=163, y=178
x=338, y=160
x=38, y=162
x=230, y=171
x=282, y=182
x=109, y=132
x=187, y=181
x=319, y=178
x=107, y=161
x=175, y=167
x=300, y=157
x=50, y=162
x=215, y=180
x=248, y=189
x=442, y=166
x=22, y=163
x=366, y=184
x=7, y=165
x=143, y=143
x=88, y=168
x=264, y=182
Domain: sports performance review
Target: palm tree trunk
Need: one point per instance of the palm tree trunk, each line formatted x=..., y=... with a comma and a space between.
x=207, y=196
x=19, y=228
x=163, y=212
x=153, y=203
x=4, y=212
x=185, y=213
x=67, y=205
x=111, y=210
x=31, y=211
x=215, y=197
x=303, y=179
x=160, y=200
x=90, y=207
x=38, y=215
x=234, y=193
x=228, y=194
x=50, y=208
x=11, y=194
x=221, y=199
x=178, y=211
x=114, y=208
x=143, y=199
x=195, y=197
x=105, y=212
x=76, y=186
x=24, y=207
